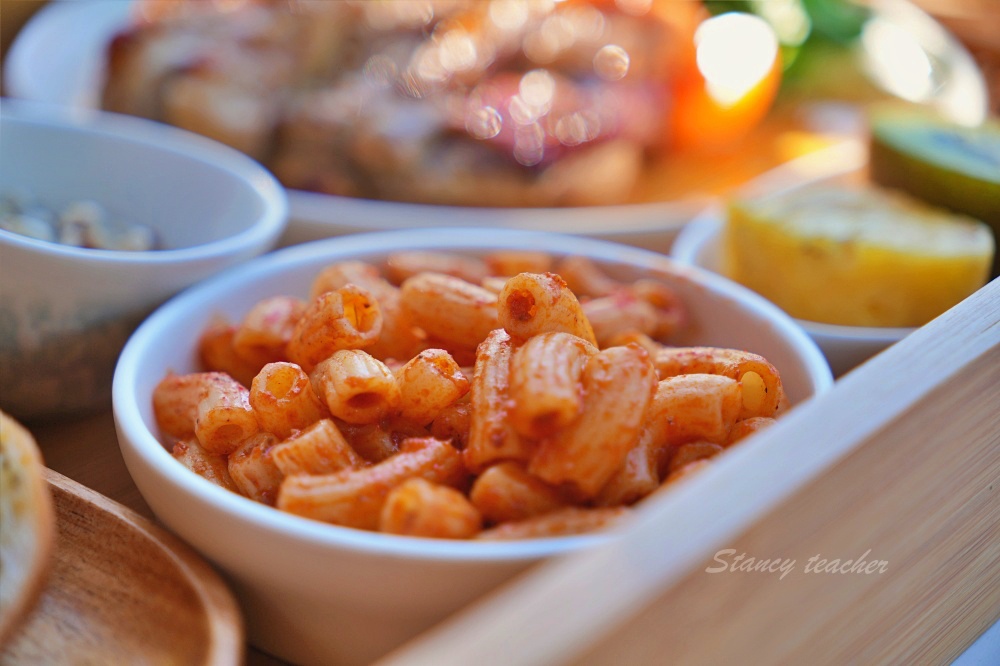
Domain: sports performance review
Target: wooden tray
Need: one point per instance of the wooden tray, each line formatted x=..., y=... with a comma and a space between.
x=899, y=463
x=123, y=591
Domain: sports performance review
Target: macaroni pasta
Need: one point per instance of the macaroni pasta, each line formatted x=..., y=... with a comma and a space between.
x=512, y=395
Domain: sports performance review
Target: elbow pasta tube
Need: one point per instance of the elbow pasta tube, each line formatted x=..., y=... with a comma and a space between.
x=217, y=353
x=253, y=471
x=339, y=275
x=428, y=383
x=493, y=284
x=400, y=338
x=507, y=263
x=355, y=386
x=563, y=522
x=545, y=383
x=449, y=308
x=355, y=497
x=747, y=427
x=618, y=384
x=684, y=472
x=619, y=314
x=348, y=318
x=784, y=403
x=670, y=311
x=319, y=449
x=638, y=475
x=403, y=265
x=651, y=346
x=420, y=508
x=646, y=307
x=176, y=398
x=534, y=303
x=225, y=417
x=491, y=436
x=647, y=462
x=211, y=467
x=283, y=399
x=685, y=454
x=585, y=278
x=264, y=333
x=371, y=441
x=760, y=383
x=506, y=491
x=397, y=338
x=700, y=407
x=454, y=422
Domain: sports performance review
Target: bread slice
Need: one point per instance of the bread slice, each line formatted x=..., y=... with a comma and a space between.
x=856, y=256
x=28, y=519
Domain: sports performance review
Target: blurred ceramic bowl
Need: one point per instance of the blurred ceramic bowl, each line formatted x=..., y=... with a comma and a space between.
x=66, y=312
x=318, y=593
x=845, y=347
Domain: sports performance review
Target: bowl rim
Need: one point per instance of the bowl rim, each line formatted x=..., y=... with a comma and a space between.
x=317, y=210
x=140, y=440
x=104, y=125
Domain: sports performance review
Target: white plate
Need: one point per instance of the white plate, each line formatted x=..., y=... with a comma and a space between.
x=650, y=225
x=44, y=65
x=58, y=57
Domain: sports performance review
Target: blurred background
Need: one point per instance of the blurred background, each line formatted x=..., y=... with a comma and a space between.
x=786, y=104
x=972, y=21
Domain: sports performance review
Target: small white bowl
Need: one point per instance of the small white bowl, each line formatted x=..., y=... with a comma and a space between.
x=845, y=347
x=66, y=312
x=317, y=593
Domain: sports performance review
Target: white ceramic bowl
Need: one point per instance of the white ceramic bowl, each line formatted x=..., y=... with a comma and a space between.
x=66, y=312
x=316, y=593
x=845, y=347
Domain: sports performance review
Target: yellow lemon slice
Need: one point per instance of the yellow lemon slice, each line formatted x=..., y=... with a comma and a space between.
x=855, y=257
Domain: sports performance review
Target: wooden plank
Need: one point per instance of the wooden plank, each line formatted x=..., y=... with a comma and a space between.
x=901, y=459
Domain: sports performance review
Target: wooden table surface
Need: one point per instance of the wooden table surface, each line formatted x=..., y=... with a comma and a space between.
x=86, y=450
